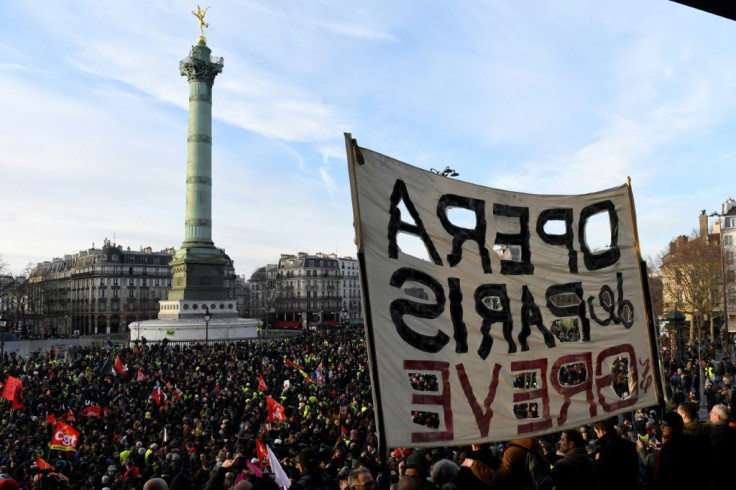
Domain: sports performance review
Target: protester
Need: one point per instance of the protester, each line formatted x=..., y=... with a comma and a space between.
x=575, y=470
x=616, y=462
x=677, y=458
x=723, y=442
x=444, y=473
x=311, y=475
x=183, y=414
x=360, y=478
x=512, y=472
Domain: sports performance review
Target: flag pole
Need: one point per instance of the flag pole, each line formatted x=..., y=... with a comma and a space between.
x=356, y=158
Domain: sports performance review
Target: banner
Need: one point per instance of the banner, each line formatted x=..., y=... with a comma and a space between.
x=65, y=437
x=491, y=316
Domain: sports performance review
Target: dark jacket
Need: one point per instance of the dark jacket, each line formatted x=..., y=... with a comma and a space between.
x=313, y=481
x=723, y=455
x=677, y=465
x=617, y=463
x=574, y=471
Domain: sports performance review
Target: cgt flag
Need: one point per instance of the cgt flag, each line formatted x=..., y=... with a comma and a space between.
x=65, y=437
x=261, y=383
x=275, y=410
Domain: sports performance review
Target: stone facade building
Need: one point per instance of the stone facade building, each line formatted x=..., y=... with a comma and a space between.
x=303, y=290
x=101, y=290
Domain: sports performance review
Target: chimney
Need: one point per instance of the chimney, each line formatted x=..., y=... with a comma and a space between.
x=703, y=224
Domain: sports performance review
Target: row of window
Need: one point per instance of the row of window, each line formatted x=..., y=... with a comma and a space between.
x=132, y=281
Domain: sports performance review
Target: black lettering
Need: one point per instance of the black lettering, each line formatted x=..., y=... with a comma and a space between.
x=531, y=315
x=566, y=239
x=395, y=225
x=620, y=312
x=401, y=307
x=596, y=261
x=498, y=311
x=456, y=313
x=573, y=309
x=521, y=239
x=459, y=234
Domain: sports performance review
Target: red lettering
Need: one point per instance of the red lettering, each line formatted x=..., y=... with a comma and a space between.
x=544, y=421
x=568, y=391
x=607, y=380
x=482, y=419
x=442, y=399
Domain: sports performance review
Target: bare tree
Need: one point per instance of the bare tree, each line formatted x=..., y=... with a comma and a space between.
x=263, y=293
x=692, y=278
x=656, y=292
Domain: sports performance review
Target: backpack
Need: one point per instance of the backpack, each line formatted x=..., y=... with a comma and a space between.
x=538, y=470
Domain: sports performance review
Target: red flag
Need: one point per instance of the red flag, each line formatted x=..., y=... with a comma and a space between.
x=17, y=402
x=91, y=409
x=51, y=418
x=43, y=465
x=10, y=388
x=120, y=368
x=158, y=395
x=261, y=383
x=293, y=364
x=141, y=377
x=262, y=453
x=68, y=416
x=65, y=437
x=275, y=410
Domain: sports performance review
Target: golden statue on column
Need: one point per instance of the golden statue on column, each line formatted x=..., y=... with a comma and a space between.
x=199, y=14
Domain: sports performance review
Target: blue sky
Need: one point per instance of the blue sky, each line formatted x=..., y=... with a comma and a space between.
x=536, y=96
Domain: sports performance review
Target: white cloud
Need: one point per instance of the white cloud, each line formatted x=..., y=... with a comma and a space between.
x=561, y=98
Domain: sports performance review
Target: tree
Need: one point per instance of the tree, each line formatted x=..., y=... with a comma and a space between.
x=656, y=292
x=692, y=278
x=263, y=292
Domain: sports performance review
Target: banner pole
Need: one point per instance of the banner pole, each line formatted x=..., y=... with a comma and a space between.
x=355, y=158
x=375, y=382
x=650, y=320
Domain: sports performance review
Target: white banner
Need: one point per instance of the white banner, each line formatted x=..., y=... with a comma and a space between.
x=504, y=322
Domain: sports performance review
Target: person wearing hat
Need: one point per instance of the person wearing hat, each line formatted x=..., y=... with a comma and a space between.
x=677, y=457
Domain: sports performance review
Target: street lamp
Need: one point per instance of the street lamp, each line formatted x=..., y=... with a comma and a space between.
x=3, y=322
x=207, y=317
x=447, y=172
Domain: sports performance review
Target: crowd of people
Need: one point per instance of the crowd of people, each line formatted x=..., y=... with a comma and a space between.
x=191, y=416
